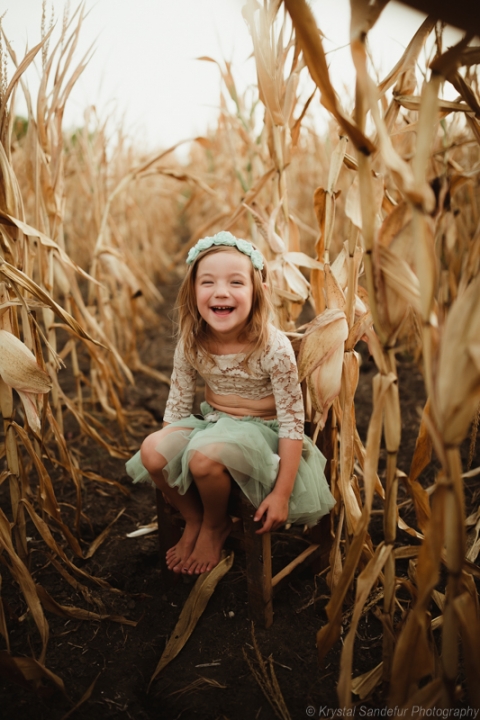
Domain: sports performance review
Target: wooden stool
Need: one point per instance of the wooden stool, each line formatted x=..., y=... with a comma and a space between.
x=258, y=551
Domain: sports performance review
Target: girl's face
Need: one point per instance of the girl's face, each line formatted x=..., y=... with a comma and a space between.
x=224, y=292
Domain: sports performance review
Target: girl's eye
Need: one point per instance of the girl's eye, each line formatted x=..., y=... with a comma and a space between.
x=237, y=282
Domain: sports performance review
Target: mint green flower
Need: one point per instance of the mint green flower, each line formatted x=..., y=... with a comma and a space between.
x=229, y=240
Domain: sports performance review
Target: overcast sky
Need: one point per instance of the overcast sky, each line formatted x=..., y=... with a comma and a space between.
x=145, y=70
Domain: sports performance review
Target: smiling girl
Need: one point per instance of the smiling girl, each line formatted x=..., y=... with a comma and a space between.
x=251, y=428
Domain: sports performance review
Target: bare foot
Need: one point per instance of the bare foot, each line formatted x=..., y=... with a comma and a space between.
x=179, y=553
x=208, y=549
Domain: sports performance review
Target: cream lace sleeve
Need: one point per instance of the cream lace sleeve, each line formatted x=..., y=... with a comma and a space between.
x=281, y=365
x=182, y=389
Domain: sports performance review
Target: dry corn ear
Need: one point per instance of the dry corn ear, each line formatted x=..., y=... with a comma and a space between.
x=457, y=377
x=320, y=359
x=19, y=368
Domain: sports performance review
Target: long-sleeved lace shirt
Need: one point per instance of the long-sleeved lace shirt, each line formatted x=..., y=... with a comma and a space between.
x=274, y=371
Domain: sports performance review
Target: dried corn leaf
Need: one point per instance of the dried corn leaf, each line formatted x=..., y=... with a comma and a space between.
x=86, y=696
x=457, y=380
x=329, y=634
x=302, y=260
x=421, y=458
x=276, y=243
x=9, y=272
x=76, y=613
x=350, y=375
x=473, y=542
x=48, y=538
x=264, y=673
x=358, y=330
x=107, y=481
x=268, y=75
x=336, y=566
x=408, y=669
x=311, y=44
x=249, y=197
x=470, y=56
x=339, y=267
x=353, y=205
x=103, y=535
x=27, y=671
x=414, y=103
x=86, y=593
x=362, y=685
x=334, y=295
x=296, y=282
x=25, y=581
x=410, y=56
x=61, y=257
x=365, y=582
x=3, y=622
x=393, y=224
x=429, y=696
x=191, y=612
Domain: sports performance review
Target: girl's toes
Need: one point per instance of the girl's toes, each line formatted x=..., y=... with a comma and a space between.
x=187, y=566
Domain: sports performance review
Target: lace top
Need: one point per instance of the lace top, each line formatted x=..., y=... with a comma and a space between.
x=274, y=371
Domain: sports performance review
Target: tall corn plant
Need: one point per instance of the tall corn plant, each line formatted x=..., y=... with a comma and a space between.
x=397, y=235
x=28, y=358
x=39, y=298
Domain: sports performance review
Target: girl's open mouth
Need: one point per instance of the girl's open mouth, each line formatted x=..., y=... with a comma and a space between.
x=222, y=310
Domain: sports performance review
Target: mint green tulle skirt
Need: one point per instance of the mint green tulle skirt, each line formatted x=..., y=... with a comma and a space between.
x=248, y=447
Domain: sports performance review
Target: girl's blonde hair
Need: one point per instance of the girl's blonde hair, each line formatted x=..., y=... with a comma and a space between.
x=192, y=328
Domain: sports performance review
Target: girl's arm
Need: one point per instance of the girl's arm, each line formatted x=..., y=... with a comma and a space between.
x=182, y=388
x=274, y=509
x=281, y=365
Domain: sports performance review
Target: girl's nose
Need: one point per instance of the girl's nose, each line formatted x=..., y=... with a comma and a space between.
x=221, y=290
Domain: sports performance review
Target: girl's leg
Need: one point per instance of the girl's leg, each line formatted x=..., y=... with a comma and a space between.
x=189, y=505
x=213, y=483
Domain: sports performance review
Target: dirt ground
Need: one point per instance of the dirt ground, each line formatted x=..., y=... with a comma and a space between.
x=210, y=679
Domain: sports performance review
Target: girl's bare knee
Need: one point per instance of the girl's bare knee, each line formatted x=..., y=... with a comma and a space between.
x=202, y=466
x=151, y=458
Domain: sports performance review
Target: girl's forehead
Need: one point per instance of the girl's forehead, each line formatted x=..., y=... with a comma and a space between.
x=228, y=260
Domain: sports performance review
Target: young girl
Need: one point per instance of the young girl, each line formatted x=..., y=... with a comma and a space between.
x=251, y=427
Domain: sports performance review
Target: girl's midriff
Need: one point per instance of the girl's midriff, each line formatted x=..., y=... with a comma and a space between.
x=242, y=407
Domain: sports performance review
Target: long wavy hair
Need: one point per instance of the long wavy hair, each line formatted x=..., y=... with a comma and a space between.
x=192, y=329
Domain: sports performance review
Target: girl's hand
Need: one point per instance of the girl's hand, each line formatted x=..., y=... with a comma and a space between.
x=273, y=512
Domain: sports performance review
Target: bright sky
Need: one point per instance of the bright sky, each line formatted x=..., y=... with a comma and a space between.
x=145, y=71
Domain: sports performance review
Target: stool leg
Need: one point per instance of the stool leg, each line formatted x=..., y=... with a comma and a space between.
x=258, y=552
x=320, y=534
x=168, y=535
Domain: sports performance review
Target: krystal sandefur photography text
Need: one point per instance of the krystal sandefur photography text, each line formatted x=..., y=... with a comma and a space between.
x=416, y=711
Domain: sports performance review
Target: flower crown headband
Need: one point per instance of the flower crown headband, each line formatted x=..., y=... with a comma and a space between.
x=229, y=240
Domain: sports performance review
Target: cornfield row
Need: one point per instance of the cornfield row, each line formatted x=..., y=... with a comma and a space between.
x=380, y=233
